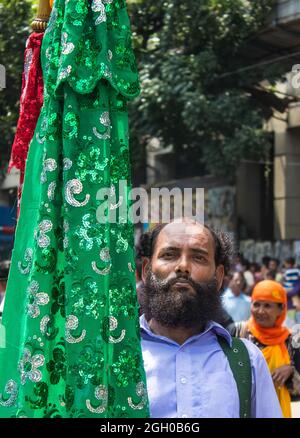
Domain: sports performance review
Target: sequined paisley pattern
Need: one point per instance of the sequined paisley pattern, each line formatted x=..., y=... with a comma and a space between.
x=71, y=315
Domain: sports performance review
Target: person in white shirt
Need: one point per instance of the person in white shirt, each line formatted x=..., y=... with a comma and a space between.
x=235, y=302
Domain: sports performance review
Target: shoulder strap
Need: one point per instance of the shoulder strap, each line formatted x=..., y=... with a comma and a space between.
x=239, y=361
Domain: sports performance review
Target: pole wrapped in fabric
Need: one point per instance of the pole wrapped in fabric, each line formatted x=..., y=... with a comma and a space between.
x=30, y=105
x=31, y=100
x=71, y=315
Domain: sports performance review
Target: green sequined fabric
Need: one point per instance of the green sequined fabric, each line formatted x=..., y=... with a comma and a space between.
x=71, y=316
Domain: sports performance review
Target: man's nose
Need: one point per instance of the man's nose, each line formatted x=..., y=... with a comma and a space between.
x=183, y=266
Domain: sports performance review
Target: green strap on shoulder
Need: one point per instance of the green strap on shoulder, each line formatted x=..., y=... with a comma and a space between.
x=239, y=361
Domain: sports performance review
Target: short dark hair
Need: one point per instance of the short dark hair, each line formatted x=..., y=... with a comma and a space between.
x=271, y=274
x=224, y=248
x=4, y=273
x=266, y=260
x=290, y=260
x=241, y=275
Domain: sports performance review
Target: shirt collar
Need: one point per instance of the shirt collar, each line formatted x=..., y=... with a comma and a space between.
x=211, y=326
x=229, y=294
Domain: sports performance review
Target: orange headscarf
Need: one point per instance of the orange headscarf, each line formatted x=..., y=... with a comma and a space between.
x=269, y=290
x=275, y=352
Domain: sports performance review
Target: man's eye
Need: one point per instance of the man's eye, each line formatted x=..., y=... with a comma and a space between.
x=200, y=257
x=168, y=255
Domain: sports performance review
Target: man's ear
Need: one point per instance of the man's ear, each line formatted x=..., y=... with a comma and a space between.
x=220, y=274
x=145, y=267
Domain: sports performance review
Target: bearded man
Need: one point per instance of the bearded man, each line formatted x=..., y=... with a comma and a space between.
x=188, y=373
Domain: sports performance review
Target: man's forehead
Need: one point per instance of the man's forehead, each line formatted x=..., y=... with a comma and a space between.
x=180, y=234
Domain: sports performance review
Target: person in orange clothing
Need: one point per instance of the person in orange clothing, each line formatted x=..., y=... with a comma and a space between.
x=265, y=329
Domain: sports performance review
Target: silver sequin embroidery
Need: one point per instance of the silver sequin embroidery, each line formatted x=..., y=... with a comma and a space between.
x=104, y=255
x=11, y=388
x=104, y=119
x=44, y=323
x=28, y=367
x=74, y=187
x=98, y=271
x=25, y=268
x=67, y=163
x=44, y=227
x=36, y=299
x=101, y=394
x=66, y=227
x=105, y=136
x=51, y=190
x=40, y=140
x=140, y=392
x=98, y=6
x=65, y=73
x=72, y=324
x=113, y=325
x=130, y=268
x=67, y=48
x=49, y=165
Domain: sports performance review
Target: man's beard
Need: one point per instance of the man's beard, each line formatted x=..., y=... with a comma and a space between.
x=181, y=306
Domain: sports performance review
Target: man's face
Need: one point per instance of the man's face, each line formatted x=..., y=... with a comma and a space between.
x=181, y=279
x=273, y=265
x=2, y=286
x=185, y=249
x=296, y=302
x=236, y=283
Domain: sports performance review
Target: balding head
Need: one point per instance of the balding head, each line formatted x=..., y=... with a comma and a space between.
x=185, y=229
x=185, y=247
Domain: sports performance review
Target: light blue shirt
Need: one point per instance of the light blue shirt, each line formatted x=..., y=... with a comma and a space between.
x=194, y=380
x=238, y=307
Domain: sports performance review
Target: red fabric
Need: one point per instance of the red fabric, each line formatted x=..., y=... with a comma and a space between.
x=7, y=230
x=31, y=102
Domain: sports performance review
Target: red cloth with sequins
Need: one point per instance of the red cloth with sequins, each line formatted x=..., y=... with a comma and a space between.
x=31, y=102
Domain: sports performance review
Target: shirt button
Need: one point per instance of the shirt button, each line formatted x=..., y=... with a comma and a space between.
x=183, y=380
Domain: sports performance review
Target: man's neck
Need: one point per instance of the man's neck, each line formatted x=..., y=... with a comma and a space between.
x=236, y=293
x=177, y=334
